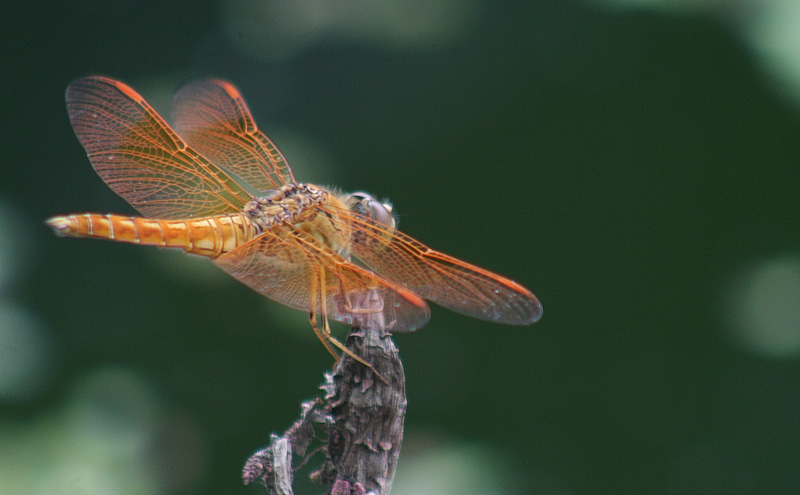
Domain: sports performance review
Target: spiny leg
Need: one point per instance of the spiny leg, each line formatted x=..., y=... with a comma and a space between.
x=325, y=334
x=323, y=329
x=312, y=317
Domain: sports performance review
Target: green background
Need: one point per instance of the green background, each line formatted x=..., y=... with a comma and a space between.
x=635, y=169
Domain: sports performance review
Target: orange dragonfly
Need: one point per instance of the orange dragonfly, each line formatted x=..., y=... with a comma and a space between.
x=216, y=186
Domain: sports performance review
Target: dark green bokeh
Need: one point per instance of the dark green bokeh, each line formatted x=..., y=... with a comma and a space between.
x=621, y=166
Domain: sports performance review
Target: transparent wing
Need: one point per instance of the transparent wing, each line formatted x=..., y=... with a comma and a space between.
x=142, y=159
x=214, y=119
x=447, y=281
x=285, y=263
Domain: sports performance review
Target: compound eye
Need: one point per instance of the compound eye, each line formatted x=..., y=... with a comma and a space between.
x=365, y=204
x=381, y=214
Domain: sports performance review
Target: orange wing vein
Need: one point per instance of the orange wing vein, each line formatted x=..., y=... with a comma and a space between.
x=142, y=159
x=283, y=267
x=447, y=281
x=214, y=119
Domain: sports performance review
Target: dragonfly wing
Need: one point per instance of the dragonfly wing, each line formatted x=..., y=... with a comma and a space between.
x=447, y=281
x=214, y=119
x=142, y=159
x=283, y=264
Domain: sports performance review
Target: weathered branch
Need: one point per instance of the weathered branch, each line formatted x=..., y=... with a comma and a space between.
x=362, y=416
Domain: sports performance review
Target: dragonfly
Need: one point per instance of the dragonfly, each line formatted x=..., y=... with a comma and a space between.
x=214, y=185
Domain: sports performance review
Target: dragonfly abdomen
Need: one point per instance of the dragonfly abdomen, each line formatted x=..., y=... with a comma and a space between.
x=209, y=236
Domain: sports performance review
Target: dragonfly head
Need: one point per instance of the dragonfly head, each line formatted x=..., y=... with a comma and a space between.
x=365, y=204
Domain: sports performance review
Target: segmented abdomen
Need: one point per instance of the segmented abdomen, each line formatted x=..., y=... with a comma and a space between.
x=210, y=236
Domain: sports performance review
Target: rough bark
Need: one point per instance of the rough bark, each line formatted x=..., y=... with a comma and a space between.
x=362, y=414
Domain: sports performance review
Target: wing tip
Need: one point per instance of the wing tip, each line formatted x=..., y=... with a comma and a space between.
x=528, y=310
x=419, y=309
x=535, y=312
x=522, y=311
x=528, y=307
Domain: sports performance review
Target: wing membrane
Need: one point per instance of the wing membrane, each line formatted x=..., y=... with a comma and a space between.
x=142, y=159
x=282, y=264
x=214, y=119
x=447, y=281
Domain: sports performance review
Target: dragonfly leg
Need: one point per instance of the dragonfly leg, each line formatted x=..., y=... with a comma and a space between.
x=323, y=335
x=323, y=330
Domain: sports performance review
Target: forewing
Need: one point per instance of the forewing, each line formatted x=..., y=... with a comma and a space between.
x=141, y=158
x=447, y=281
x=284, y=263
x=213, y=118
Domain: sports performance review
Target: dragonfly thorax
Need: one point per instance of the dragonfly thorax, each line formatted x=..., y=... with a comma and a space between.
x=292, y=204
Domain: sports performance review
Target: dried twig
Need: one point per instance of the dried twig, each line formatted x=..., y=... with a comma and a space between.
x=362, y=416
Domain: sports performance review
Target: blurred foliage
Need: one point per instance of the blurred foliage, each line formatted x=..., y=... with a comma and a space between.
x=638, y=170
